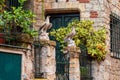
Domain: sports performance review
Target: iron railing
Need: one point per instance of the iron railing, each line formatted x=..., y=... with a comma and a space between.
x=37, y=60
x=115, y=35
x=14, y=37
x=85, y=64
x=62, y=66
x=11, y=3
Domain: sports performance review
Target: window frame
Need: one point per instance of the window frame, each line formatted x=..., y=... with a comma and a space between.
x=12, y=3
x=115, y=35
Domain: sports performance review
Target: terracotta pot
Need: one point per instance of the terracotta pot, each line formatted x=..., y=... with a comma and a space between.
x=2, y=40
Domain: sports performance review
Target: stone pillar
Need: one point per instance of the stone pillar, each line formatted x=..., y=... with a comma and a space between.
x=74, y=68
x=48, y=64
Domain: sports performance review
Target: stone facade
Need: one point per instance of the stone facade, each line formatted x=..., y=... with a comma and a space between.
x=95, y=10
x=109, y=68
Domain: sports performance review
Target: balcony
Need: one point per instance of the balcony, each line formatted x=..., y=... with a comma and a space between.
x=15, y=25
x=14, y=38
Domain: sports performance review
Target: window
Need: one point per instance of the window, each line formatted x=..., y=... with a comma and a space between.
x=62, y=64
x=11, y=3
x=115, y=35
x=59, y=20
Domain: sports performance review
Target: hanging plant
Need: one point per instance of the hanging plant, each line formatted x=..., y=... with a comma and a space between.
x=86, y=35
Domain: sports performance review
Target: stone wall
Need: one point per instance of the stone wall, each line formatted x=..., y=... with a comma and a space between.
x=29, y=4
x=109, y=68
x=47, y=61
x=95, y=10
x=28, y=64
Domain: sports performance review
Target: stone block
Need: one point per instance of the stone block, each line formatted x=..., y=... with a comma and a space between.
x=62, y=0
x=84, y=1
x=61, y=5
x=54, y=5
x=48, y=5
x=85, y=14
x=89, y=7
x=81, y=7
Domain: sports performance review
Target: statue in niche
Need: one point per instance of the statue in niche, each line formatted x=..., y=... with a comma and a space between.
x=69, y=38
x=43, y=29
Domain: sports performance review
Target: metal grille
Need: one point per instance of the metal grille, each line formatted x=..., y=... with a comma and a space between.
x=62, y=61
x=115, y=35
x=38, y=73
x=85, y=64
x=62, y=67
x=11, y=3
x=14, y=37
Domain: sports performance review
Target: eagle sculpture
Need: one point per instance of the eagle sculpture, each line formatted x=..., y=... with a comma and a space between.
x=69, y=37
x=44, y=27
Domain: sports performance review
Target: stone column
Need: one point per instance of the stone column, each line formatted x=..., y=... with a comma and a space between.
x=48, y=64
x=74, y=68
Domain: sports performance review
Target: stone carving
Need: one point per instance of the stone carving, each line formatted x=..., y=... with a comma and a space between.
x=69, y=37
x=43, y=29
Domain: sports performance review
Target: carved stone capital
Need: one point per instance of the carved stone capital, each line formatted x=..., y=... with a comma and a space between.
x=47, y=42
x=72, y=51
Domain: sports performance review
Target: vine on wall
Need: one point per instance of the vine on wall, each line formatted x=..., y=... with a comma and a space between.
x=86, y=35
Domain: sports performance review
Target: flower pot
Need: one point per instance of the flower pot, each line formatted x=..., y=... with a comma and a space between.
x=2, y=40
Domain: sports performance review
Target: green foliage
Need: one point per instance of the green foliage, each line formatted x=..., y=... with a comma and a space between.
x=83, y=71
x=18, y=17
x=21, y=2
x=86, y=35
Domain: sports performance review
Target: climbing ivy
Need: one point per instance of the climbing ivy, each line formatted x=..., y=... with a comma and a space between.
x=93, y=39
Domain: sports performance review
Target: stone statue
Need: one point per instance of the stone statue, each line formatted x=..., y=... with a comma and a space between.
x=69, y=37
x=44, y=27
